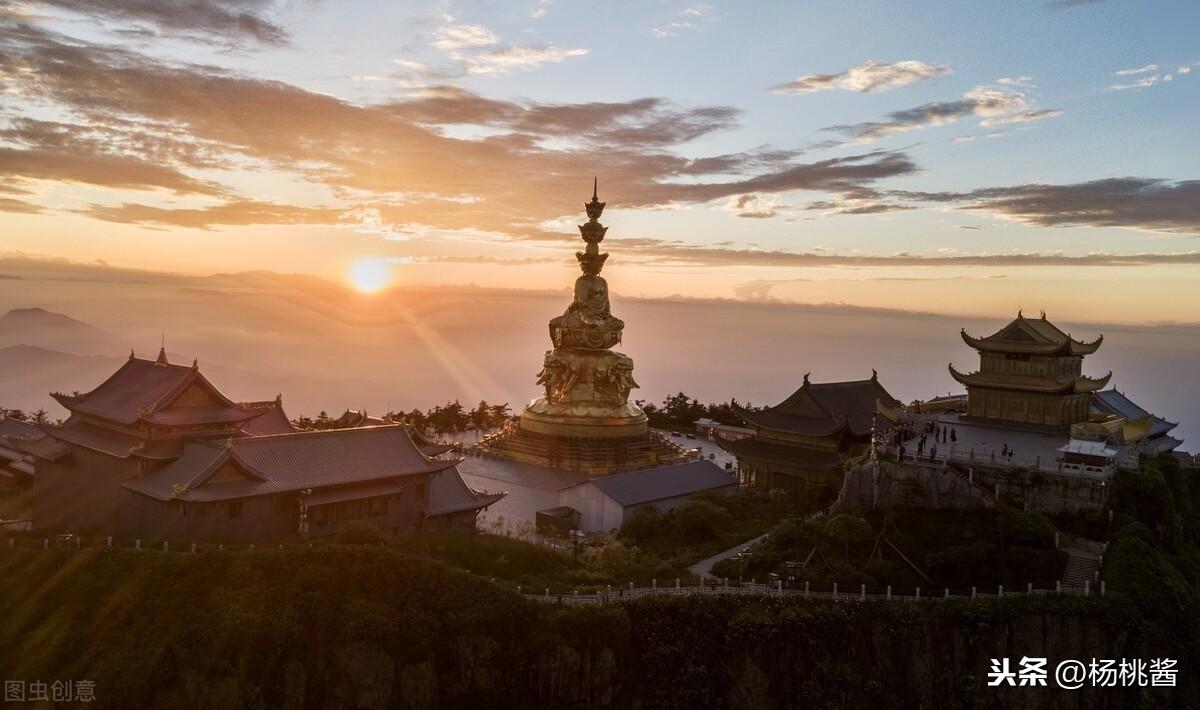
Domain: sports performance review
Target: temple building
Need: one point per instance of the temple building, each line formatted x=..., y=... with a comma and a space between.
x=357, y=417
x=1030, y=372
x=1113, y=413
x=157, y=451
x=585, y=421
x=800, y=444
x=16, y=436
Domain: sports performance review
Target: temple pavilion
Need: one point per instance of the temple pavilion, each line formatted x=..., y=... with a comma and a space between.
x=800, y=444
x=1030, y=372
x=157, y=451
x=585, y=422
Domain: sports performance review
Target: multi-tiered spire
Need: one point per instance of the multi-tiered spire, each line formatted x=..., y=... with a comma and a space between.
x=585, y=420
x=590, y=259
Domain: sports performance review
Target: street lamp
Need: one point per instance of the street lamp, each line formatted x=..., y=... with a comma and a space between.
x=304, y=512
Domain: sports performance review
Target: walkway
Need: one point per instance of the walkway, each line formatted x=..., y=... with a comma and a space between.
x=703, y=568
x=1084, y=561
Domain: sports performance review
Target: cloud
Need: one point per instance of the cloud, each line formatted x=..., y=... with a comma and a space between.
x=8, y=204
x=215, y=21
x=522, y=57
x=1138, y=203
x=1143, y=83
x=1022, y=117
x=235, y=213
x=1140, y=70
x=710, y=256
x=103, y=170
x=476, y=50
x=688, y=20
x=753, y=205
x=856, y=207
x=994, y=105
x=132, y=122
x=871, y=76
x=463, y=36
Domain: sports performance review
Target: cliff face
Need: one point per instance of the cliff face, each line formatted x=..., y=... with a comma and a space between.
x=887, y=484
x=369, y=628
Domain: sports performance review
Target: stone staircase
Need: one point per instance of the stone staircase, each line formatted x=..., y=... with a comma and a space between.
x=1083, y=562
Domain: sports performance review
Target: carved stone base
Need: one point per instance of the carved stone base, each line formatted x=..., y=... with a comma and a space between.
x=584, y=419
x=593, y=455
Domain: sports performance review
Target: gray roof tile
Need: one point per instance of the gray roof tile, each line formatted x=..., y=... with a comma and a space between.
x=645, y=486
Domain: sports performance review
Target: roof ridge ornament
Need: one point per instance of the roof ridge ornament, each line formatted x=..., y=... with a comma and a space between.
x=131, y=355
x=806, y=379
x=874, y=375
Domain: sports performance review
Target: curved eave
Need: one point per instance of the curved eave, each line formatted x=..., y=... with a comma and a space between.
x=66, y=400
x=974, y=379
x=976, y=343
x=958, y=376
x=748, y=417
x=1091, y=384
x=1082, y=348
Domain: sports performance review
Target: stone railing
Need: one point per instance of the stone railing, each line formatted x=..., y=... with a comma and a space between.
x=805, y=591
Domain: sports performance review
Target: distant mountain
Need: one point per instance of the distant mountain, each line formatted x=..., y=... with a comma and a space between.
x=29, y=373
x=42, y=328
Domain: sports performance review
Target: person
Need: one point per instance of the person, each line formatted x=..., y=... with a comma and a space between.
x=933, y=453
x=953, y=434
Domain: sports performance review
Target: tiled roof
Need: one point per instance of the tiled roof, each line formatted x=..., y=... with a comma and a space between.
x=16, y=427
x=449, y=493
x=648, y=485
x=202, y=414
x=47, y=448
x=1114, y=402
x=822, y=408
x=356, y=418
x=1032, y=335
x=97, y=439
x=797, y=456
x=274, y=421
x=139, y=388
x=328, y=496
x=282, y=463
x=1030, y=383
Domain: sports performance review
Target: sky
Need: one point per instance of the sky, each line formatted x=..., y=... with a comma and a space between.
x=956, y=158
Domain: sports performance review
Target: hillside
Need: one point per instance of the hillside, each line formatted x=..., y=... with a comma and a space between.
x=43, y=328
x=369, y=627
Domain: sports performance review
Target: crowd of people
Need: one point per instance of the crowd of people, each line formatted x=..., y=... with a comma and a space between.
x=932, y=433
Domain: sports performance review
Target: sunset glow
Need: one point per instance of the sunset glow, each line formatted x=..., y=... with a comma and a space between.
x=911, y=171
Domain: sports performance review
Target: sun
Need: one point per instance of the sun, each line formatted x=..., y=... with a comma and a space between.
x=370, y=275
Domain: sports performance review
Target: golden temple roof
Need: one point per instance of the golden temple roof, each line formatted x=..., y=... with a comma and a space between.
x=1033, y=336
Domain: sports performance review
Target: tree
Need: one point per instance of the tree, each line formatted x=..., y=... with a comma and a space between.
x=699, y=520
x=644, y=523
x=847, y=529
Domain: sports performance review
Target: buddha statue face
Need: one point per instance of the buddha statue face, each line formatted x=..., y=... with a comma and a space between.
x=591, y=294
